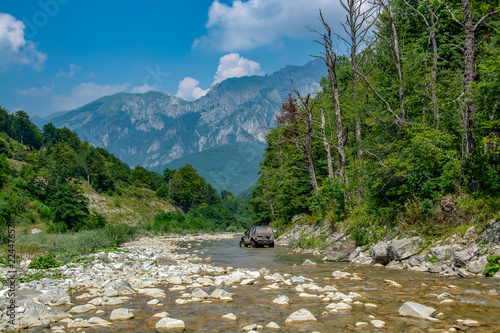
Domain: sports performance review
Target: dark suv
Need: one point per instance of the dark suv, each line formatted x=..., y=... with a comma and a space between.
x=258, y=237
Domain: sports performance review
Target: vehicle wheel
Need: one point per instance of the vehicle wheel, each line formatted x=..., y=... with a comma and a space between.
x=271, y=245
x=242, y=244
x=254, y=244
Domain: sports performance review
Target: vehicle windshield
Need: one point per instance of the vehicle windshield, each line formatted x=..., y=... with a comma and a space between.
x=263, y=230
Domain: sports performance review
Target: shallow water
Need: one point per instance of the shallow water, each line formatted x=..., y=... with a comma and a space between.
x=473, y=297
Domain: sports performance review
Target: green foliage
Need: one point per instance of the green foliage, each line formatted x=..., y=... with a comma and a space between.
x=69, y=207
x=492, y=266
x=43, y=262
x=403, y=135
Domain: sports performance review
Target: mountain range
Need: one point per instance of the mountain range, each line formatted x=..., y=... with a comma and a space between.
x=222, y=134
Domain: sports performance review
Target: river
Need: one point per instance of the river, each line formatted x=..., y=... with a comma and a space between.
x=473, y=298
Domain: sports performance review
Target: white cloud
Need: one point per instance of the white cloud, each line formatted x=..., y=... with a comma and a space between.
x=232, y=65
x=254, y=23
x=35, y=92
x=85, y=93
x=189, y=89
x=143, y=89
x=14, y=49
x=71, y=72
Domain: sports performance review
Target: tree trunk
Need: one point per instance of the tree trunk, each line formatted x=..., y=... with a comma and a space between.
x=308, y=151
x=470, y=108
x=432, y=36
x=397, y=58
x=327, y=145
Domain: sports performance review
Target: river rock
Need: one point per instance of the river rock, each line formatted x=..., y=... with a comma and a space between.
x=121, y=314
x=152, y=292
x=39, y=311
x=118, y=287
x=308, y=262
x=96, y=321
x=362, y=260
x=79, y=323
x=378, y=323
x=299, y=316
x=443, y=252
x=404, y=248
x=462, y=258
x=229, y=316
x=477, y=266
x=282, y=300
x=170, y=325
x=380, y=253
x=200, y=293
x=54, y=297
x=273, y=326
x=82, y=309
x=340, y=252
x=297, y=279
x=219, y=293
x=411, y=309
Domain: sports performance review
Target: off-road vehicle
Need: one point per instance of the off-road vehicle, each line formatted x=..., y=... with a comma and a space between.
x=258, y=237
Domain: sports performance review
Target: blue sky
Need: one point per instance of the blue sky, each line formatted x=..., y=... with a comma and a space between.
x=56, y=55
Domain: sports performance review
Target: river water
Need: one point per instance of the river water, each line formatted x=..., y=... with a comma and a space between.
x=474, y=298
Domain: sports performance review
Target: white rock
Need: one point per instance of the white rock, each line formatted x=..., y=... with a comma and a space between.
x=411, y=309
x=246, y=282
x=272, y=326
x=378, y=323
x=301, y=315
x=282, y=300
x=220, y=293
x=229, y=316
x=170, y=324
x=121, y=314
x=96, y=321
x=82, y=309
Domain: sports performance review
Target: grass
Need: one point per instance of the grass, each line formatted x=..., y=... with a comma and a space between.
x=69, y=246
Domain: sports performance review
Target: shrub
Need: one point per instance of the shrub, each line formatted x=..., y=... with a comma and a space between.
x=43, y=262
x=492, y=266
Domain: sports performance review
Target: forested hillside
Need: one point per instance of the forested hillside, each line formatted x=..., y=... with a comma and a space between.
x=404, y=134
x=51, y=180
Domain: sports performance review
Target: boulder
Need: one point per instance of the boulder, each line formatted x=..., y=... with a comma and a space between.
x=38, y=311
x=82, y=309
x=282, y=300
x=442, y=252
x=308, y=262
x=411, y=309
x=380, y=253
x=170, y=325
x=362, y=260
x=118, y=287
x=152, y=292
x=462, y=258
x=200, y=293
x=229, y=316
x=404, y=248
x=273, y=326
x=477, y=266
x=121, y=314
x=340, y=252
x=96, y=321
x=163, y=261
x=299, y=316
x=297, y=279
x=54, y=297
x=219, y=293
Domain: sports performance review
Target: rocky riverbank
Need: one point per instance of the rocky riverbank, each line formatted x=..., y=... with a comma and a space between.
x=162, y=284
x=459, y=255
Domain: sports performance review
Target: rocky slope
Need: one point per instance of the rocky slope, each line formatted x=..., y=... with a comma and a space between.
x=457, y=255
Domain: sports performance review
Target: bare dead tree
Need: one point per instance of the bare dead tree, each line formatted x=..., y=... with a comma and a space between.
x=470, y=27
x=395, y=51
x=431, y=27
x=330, y=59
x=357, y=25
